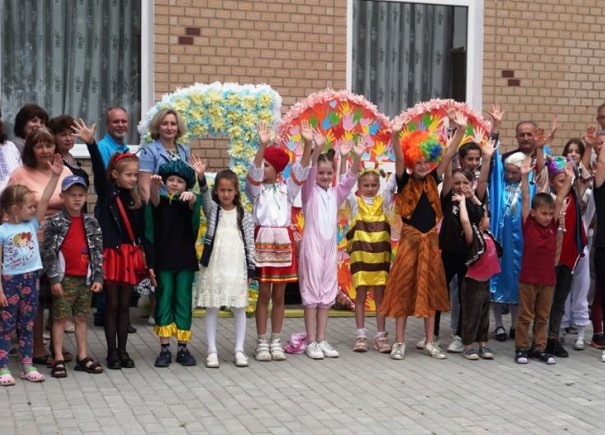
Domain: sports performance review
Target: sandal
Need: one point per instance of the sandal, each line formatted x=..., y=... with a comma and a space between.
x=58, y=369
x=6, y=379
x=500, y=333
x=32, y=375
x=45, y=360
x=88, y=365
x=361, y=344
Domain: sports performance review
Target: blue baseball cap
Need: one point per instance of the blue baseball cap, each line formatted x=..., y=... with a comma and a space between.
x=72, y=180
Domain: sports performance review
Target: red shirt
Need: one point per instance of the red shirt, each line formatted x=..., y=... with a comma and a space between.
x=75, y=248
x=569, y=246
x=487, y=265
x=539, y=250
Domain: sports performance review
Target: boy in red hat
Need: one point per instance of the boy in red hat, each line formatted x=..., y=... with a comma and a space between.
x=275, y=255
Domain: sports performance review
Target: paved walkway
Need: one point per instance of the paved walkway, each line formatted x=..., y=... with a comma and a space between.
x=356, y=393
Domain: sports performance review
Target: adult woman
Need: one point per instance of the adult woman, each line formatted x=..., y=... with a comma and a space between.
x=31, y=117
x=166, y=128
x=38, y=151
x=10, y=158
x=60, y=127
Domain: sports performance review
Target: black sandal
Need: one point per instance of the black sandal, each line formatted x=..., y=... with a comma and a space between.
x=45, y=360
x=88, y=365
x=500, y=336
x=58, y=369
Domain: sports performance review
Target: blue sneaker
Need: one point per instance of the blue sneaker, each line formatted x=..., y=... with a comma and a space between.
x=164, y=359
x=184, y=358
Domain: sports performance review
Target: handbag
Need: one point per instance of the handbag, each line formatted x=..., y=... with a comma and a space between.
x=129, y=261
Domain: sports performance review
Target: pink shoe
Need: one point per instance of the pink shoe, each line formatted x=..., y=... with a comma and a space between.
x=6, y=379
x=32, y=375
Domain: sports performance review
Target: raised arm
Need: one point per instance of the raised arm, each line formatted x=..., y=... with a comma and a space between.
x=199, y=166
x=308, y=136
x=525, y=199
x=264, y=136
x=154, y=190
x=87, y=134
x=599, y=176
x=396, y=127
x=540, y=139
x=496, y=114
x=464, y=219
x=564, y=190
x=452, y=147
x=487, y=152
x=56, y=168
x=590, y=138
x=319, y=141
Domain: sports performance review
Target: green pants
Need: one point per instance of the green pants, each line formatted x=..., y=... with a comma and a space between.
x=173, y=304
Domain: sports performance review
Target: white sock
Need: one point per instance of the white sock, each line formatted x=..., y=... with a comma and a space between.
x=211, y=319
x=581, y=329
x=239, y=317
x=380, y=334
x=362, y=332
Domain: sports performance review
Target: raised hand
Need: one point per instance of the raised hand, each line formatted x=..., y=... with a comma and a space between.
x=451, y=112
x=540, y=137
x=56, y=166
x=489, y=148
x=554, y=125
x=199, y=165
x=156, y=180
x=460, y=120
x=187, y=196
x=496, y=114
x=346, y=146
x=398, y=124
x=86, y=133
x=570, y=170
x=319, y=139
x=590, y=138
x=306, y=131
x=526, y=166
x=359, y=149
x=264, y=133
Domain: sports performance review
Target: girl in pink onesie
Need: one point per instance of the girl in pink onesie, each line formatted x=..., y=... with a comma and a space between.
x=318, y=268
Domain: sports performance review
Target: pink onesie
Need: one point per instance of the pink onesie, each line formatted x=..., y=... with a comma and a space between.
x=318, y=266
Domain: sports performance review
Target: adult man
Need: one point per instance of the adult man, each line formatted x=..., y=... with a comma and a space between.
x=117, y=128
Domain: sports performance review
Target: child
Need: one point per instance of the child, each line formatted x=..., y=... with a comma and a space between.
x=275, y=255
x=73, y=260
x=537, y=277
x=229, y=240
x=121, y=217
x=370, y=267
x=482, y=262
x=318, y=251
x=21, y=265
x=569, y=249
x=599, y=237
x=416, y=283
x=175, y=227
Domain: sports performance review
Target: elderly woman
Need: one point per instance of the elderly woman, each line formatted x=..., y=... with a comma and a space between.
x=166, y=128
x=38, y=151
x=60, y=127
x=31, y=117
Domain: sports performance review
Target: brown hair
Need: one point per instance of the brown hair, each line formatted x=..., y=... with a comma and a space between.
x=40, y=135
x=27, y=112
x=118, y=162
x=61, y=123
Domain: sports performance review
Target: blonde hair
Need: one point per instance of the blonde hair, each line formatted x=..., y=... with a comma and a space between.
x=118, y=162
x=154, y=125
x=13, y=195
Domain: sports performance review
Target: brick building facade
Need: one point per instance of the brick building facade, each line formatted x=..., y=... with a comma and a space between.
x=540, y=59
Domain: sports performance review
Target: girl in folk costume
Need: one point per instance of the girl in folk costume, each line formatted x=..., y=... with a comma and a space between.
x=369, y=246
x=416, y=284
x=318, y=252
x=275, y=256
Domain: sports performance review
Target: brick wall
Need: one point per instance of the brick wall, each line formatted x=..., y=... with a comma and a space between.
x=542, y=59
x=297, y=47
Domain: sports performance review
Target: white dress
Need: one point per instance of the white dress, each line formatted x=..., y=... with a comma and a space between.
x=225, y=281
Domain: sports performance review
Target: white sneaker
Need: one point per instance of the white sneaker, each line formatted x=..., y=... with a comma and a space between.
x=212, y=361
x=398, y=351
x=579, y=344
x=276, y=350
x=151, y=321
x=262, y=350
x=433, y=350
x=603, y=357
x=241, y=359
x=314, y=352
x=420, y=344
x=456, y=345
x=327, y=350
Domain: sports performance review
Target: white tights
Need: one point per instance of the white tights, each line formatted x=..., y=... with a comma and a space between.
x=239, y=316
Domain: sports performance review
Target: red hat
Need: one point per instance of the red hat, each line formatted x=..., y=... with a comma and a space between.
x=277, y=157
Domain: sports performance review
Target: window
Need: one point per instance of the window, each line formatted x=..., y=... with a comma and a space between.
x=77, y=57
x=404, y=52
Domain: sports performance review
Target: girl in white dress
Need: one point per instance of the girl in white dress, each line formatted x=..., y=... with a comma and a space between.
x=227, y=260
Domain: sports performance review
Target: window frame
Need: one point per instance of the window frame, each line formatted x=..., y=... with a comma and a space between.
x=474, y=45
x=147, y=72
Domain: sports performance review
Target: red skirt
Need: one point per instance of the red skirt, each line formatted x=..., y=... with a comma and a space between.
x=278, y=274
x=123, y=266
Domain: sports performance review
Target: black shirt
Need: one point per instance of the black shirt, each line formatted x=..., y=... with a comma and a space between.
x=423, y=216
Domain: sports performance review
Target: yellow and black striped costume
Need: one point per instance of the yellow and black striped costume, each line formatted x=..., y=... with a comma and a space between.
x=369, y=246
